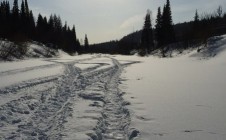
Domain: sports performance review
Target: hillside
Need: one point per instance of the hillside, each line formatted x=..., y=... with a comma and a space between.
x=15, y=51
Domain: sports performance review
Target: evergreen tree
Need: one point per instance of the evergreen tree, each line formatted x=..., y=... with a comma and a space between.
x=86, y=42
x=147, y=34
x=74, y=32
x=22, y=11
x=5, y=22
x=31, y=25
x=158, y=27
x=196, y=18
x=15, y=9
x=196, y=30
x=167, y=25
x=15, y=21
x=51, y=24
x=40, y=28
x=27, y=11
x=75, y=41
x=65, y=27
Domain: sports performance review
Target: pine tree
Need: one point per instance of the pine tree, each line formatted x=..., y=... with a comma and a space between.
x=15, y=20
x=23, y=24
x=22, y=11
x=158, y=27
x=74, y=32
x=196, y=18
x=196, y=21
x=31, y=25
x=40, y=28
x=5, y=22
x=15, y=9
x=196, y=30
x=86, y=42
x=147, y=34
x=51, y=24
x=27, y=11
x=167, y=25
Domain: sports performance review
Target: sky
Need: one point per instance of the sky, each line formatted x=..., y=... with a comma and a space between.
x=105, y=20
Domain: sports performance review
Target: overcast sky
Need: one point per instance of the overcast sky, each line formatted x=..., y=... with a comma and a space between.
x=104, y=20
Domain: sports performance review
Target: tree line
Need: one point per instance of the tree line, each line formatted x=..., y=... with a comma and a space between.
x=165, y=35
x=18, y=24
x=148, y=39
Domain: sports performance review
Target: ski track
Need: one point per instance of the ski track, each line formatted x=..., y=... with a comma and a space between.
x=9, y=72
x=40, y=109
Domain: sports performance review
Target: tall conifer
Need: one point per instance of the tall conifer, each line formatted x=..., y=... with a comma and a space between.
x=86, y=42
x=158, y=27
x=147, y=33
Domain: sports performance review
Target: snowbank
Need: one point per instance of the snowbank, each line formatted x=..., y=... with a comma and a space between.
x=15, y=51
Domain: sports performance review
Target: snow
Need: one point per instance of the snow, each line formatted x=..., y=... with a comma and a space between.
x=18, y=71
x=33, y=50
x=178, y=98
x=98, y=63
x=11, y=79
x=7, y=66
x=116, y=97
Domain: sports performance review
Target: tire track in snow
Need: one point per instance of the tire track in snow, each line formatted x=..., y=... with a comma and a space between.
x=43, y=114
x=28, y=84
x=39, y=114
x=115, y=120
x=15, y=71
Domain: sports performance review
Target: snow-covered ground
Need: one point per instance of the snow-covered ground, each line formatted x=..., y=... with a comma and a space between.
x=105, y=97
x=182, y=98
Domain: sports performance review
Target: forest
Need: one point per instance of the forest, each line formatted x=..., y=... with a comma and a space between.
x=165, y=35
x=18, y=24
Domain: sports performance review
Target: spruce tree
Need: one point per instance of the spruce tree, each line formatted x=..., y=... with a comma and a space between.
x=27, y=11
x=22, y=11
x=196, y=18
x=15, y=20
x=15, y=9
x=31, y=25
x=5, y=22
x=167, y=25
x=39, y=28
x=74, y=32
x=147, y=34
x=195, y=31
x=196, y=21
x=86, y=42
x=158, y=27
x=23, y=24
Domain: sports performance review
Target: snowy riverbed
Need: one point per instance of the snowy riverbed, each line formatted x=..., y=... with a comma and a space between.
x=116, y=97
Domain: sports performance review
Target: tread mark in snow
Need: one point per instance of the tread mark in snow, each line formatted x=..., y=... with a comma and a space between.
x=43, y=114
x=115, y=120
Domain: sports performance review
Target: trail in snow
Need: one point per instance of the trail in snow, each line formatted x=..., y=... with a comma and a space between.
x=115, y=118
x=9, y=72
x=50, y=107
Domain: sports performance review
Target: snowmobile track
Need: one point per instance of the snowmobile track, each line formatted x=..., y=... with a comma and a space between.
x=115, y=120
x=39, y=109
